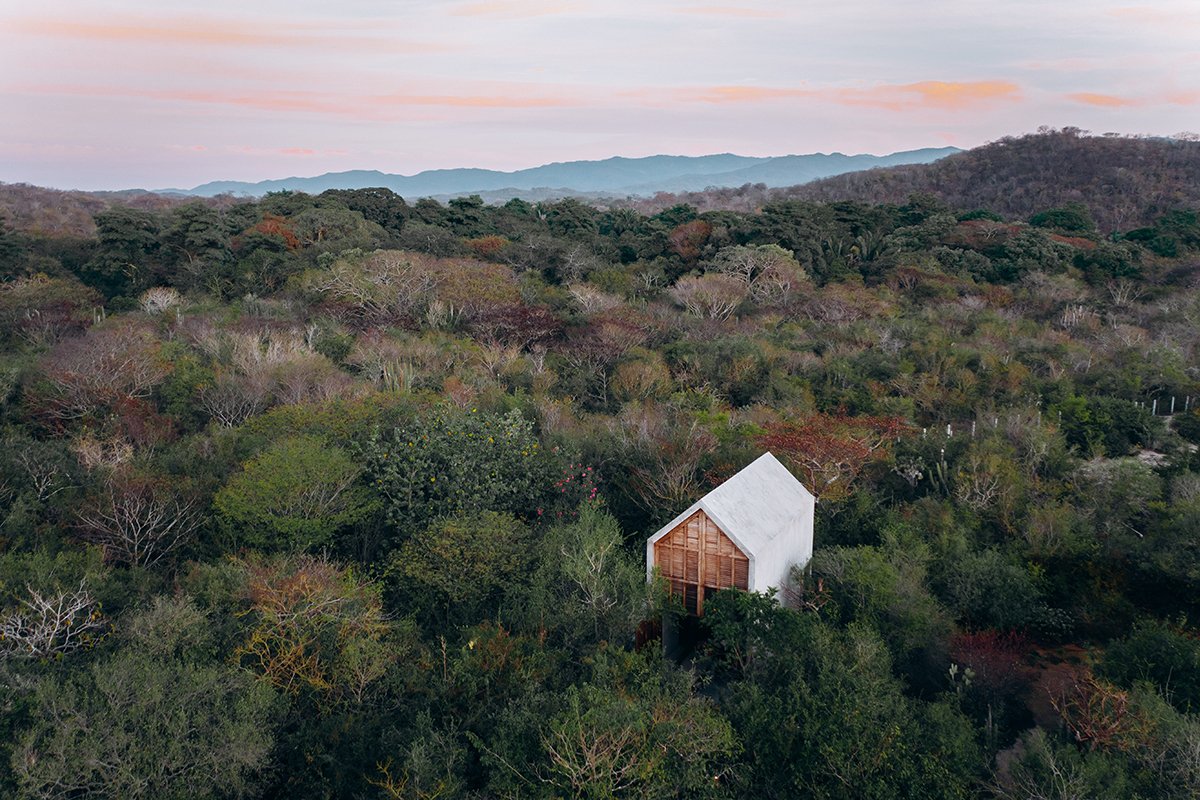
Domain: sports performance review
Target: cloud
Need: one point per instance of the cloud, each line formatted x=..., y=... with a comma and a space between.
x=743, y=94
x=1104, y=100
x=944, y=95
x=473, y=100
x=1183, y=98
x=219, y=32
x=378, y=107
x=939, y=95
x=1115, y=101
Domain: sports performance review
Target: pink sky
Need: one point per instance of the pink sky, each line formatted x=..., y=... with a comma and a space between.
x=131, y=93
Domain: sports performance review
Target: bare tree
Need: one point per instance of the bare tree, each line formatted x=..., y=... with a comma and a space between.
x=106, y=366
x=975, y=486
x=584, y=754
x=233, y=399
x=159, y=300
x=94, y=453
x=386, y=286
x=673, y=451
x=311, y=377
x=713, y=296
x=769, y=272
x=51, y=624
x=1124, y=292
x=591, y=299
x=47, y=472
x=138, y=521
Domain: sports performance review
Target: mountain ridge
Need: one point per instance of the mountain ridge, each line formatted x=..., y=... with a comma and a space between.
x=615, y=175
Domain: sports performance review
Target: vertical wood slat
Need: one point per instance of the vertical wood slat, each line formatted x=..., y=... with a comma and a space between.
x=698, y=554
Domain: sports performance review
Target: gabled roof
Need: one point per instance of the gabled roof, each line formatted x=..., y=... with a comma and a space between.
x=753, y=507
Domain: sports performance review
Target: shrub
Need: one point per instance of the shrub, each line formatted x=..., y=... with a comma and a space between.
x=1162, y=654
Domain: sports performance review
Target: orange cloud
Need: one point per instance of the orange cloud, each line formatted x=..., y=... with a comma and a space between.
x=1114, y=101
x=217, y=32
x=942, y=95
x=471, y=101
x=1104, y=100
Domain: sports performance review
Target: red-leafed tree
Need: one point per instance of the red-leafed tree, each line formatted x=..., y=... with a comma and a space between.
x=996, y=658
x=275, y=225
x=102, y=370
x=687, y=240
x=42, y=310
x=517, y=325
x=832, y=450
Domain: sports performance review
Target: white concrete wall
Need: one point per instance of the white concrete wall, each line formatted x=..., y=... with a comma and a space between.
x=773, y=566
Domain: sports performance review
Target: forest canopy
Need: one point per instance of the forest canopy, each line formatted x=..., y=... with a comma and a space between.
x=346, y=496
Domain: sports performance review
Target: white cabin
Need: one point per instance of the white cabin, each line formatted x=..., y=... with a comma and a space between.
x=748, y=533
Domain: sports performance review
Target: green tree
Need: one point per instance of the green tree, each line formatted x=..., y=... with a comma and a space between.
x=1104, y=424
x=126, y=260
x=1047, y=767
x=1074, y=218
x=634, y=728
x=886, y=588
x=988, y=589
x=196, y=243
x=296, y=495
x=379, y=205
x=13, y=250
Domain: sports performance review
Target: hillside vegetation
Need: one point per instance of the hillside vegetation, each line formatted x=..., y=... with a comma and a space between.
x=1123, y=181
x=342, y=496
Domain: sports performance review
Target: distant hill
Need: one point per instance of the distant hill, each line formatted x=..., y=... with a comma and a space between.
x=1125, y=181
x=611, y=177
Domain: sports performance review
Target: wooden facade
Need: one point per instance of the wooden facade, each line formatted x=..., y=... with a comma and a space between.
x=698, y=559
